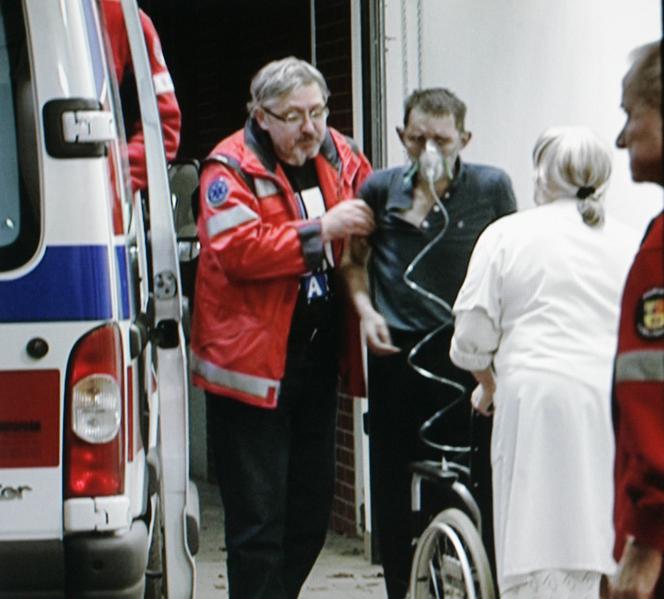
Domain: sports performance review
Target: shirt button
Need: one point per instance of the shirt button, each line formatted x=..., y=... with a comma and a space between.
x=436, y=208
x=447, y=194
x=461, y=224
x=425, y=224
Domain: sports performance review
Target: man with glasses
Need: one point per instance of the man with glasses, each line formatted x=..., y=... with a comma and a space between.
x=412, y=205
x=277, y=200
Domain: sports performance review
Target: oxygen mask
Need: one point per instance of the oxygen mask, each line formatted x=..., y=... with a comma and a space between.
x=432, y=164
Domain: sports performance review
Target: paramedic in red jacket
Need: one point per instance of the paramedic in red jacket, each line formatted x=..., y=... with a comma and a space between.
x=639, y=370
x=167, y=104
x=277, y=200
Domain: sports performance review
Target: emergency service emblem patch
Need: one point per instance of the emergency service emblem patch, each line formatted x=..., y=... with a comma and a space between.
x=217, y=192
x=650, y=314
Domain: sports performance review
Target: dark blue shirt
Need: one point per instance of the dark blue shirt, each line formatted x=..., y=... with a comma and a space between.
x=478, y=195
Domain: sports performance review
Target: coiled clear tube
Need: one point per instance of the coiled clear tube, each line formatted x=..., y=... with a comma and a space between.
x=432, y=165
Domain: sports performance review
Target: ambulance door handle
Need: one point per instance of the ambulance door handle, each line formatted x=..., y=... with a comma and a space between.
x=77, y=128
x=88, y=126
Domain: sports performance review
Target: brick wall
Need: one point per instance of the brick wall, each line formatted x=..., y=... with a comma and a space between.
x=343, y=510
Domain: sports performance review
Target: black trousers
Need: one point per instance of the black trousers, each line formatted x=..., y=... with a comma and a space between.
x=276, y=475
x=400, y=400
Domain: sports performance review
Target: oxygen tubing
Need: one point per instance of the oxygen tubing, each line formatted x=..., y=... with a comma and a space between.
x=430, y=171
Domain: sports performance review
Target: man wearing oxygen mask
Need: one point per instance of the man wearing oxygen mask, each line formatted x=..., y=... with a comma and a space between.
x=403, y=279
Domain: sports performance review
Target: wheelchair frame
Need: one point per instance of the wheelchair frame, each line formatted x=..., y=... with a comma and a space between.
x=450, y=560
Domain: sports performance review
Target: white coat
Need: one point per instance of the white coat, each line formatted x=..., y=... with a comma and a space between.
x=540, y=304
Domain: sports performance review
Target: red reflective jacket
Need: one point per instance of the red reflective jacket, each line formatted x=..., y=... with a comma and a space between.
x=639, y=398
x=254, y=249
x=167, y=104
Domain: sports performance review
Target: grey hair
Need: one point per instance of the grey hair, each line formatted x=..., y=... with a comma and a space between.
x=644, y=78
x=281, y=77
x=573, y=162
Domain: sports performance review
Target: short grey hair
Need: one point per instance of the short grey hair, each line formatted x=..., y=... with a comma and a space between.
x=644, y=78
x=281, y=77
x=573, y=162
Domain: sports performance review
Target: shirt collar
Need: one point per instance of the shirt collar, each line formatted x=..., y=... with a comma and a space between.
x=404, y=200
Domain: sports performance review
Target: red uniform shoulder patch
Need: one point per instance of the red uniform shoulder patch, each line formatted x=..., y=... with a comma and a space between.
x=650, y=314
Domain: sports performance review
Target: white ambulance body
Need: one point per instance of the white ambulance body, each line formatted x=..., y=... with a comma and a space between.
x=93, y=403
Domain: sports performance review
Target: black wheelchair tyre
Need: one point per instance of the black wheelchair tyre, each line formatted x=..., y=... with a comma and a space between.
x=450, y=561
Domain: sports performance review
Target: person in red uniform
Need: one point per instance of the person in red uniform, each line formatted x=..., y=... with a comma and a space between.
x=639, y=369
x=167, y=104
x=277, y=200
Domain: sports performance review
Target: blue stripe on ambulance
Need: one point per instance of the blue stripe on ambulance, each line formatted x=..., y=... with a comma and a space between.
x=123, y=286
x=69, y=283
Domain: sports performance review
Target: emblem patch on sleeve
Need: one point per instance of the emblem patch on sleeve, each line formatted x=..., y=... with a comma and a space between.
x=650, y=314
x=217, y=192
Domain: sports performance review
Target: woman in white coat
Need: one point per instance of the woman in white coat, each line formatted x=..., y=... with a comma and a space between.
x=536, y=323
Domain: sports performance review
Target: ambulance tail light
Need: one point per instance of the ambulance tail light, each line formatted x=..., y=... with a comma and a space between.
x=94, y=436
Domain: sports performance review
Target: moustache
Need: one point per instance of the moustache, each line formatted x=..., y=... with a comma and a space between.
x=308, y=138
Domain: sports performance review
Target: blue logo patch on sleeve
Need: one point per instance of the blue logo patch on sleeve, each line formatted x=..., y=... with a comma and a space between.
x=217, y=192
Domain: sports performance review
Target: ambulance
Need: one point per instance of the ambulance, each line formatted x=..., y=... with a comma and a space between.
x=95, y=496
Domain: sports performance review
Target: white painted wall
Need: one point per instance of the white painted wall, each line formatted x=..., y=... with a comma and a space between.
x=521, y=66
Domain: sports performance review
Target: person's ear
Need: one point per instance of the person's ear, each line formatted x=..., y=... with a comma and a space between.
x=261, y=119
x=465, y=138
x=400, y=133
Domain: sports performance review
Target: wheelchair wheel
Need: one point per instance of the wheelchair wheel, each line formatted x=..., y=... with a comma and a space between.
x=450, y=561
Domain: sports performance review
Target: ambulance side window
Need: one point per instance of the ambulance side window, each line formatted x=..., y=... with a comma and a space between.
x=20, y=202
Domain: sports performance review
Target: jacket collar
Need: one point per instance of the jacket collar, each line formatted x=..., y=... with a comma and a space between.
x=260, y=143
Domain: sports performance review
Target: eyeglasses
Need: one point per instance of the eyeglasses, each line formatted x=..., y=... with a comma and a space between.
x=296, y=118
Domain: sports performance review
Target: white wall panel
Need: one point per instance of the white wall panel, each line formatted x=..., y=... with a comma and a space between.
x=521, y=66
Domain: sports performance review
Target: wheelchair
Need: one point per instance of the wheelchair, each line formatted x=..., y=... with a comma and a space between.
x=450, y=560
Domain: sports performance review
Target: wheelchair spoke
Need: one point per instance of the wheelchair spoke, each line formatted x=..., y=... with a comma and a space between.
x=435, y=573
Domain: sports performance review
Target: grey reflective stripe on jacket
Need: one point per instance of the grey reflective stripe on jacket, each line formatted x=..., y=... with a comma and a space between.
x=265, y=187
x=641, y=366
x=227, y=219
x=245, y=383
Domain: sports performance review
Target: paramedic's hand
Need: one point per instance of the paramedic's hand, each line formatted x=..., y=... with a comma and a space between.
x=482, y=400
x=350, y=217
x=377, y=334
x=637, y=573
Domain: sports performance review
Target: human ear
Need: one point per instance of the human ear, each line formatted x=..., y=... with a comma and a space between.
x=400, y=133
x=261, y=119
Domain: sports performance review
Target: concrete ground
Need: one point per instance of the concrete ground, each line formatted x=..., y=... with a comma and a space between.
x=341, y=572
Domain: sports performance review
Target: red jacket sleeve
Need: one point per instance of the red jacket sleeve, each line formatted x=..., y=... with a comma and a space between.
x=167, y=104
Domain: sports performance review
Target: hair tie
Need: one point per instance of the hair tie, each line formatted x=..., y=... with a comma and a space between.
x=585, y=191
